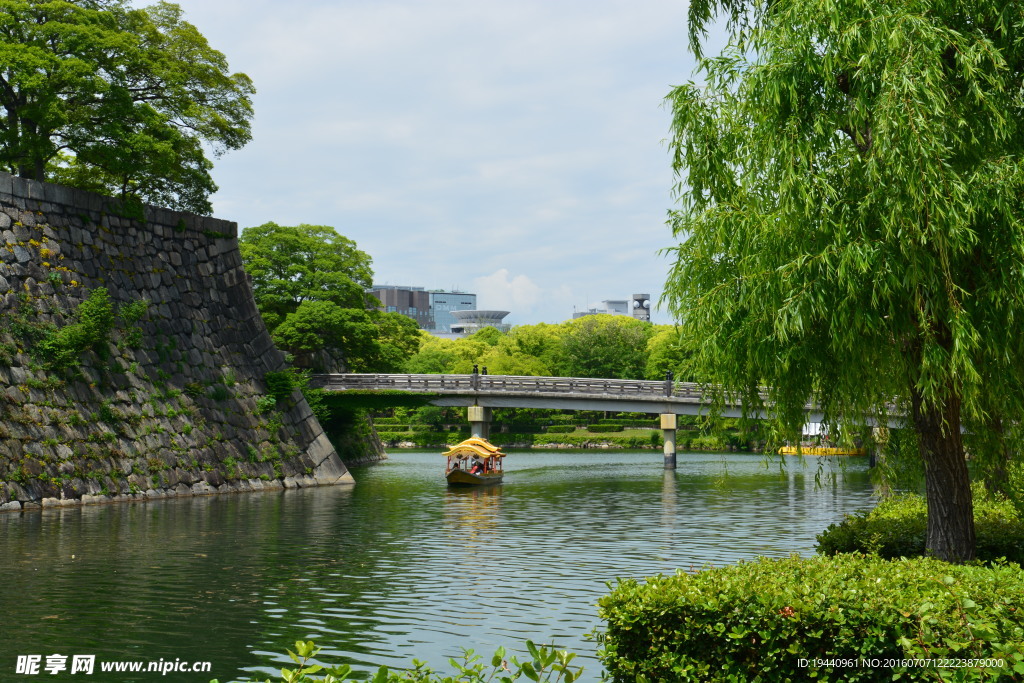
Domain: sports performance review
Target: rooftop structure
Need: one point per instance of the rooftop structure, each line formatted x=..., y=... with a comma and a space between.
x=468, y=322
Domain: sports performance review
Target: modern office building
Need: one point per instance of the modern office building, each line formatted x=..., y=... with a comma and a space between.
x=413, y=302
x=639, y=307
x=430, y=308
x=444, y=304
x=468, y=322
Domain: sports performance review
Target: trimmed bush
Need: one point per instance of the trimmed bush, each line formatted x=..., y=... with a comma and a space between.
x=820, y=618
x=706, y=443
x=561, y=429
x=897, y=528
x=523, y=427
x=600, y=429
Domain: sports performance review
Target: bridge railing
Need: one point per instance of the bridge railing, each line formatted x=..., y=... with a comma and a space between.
x=508, y=384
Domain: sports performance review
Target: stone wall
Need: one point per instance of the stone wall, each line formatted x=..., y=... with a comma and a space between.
x=175, y=404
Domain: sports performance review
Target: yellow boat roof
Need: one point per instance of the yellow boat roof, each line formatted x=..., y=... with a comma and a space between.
x=474, y=446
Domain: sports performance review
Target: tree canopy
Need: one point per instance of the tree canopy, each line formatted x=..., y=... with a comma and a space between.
x=606, y=346
x=850, y=183
x=117, y=100
x=310, y=286
x=293, y=264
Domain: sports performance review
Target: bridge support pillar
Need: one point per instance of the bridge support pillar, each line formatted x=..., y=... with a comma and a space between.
x=668, y=429
x=479, y=421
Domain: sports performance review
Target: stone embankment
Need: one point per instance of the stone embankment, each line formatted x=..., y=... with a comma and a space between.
x=170, y=403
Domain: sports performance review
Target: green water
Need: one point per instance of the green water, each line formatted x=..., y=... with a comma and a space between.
x=396, y=567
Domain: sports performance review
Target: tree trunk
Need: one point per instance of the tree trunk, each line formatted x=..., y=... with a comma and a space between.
x=947, y=484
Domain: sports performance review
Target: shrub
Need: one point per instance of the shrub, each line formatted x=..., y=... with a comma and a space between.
x=561, y=429
x=897, y=528
x=760, y=620
x=281, y=383
x=603, y=428
x=706, y=443
x=543, y=665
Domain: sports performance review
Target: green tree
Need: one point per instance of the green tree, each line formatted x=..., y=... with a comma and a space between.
x=664, y=353
x=117, y=100
x=609, y=346
x=366, y=341
x=850, y=179
x=293, y=264
x=540, y=341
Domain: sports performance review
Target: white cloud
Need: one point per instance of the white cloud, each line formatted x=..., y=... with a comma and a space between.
x=503, y=292
x=462, y=141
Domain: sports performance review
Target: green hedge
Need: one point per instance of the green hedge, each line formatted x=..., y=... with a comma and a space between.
x=649, y=423
x=704, y=443
x=423, y=439
x=626, y=441
x=561, y=429
x=801, y=619
x=897, y=528
x=599, y=429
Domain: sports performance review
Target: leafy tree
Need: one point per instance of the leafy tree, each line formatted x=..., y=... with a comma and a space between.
x=850, y=179
x=488, y=335
x=367, y=341
x=290, y=265
x=664, y=353
x=501, y=363
x=610, y=346
x=432, y=359
x=540, y=341
x=117, y=100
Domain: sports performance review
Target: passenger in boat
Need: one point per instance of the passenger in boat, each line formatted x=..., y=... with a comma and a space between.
x=478, y=467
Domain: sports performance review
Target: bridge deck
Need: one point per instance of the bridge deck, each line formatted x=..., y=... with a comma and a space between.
x=512, y=391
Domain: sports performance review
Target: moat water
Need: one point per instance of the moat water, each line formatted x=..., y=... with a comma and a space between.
x=398, y=566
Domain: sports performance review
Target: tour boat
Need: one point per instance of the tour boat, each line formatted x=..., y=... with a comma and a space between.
x=474, y=462
x=821, y=450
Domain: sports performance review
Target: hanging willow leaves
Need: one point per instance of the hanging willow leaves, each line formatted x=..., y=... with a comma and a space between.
x=850, y=187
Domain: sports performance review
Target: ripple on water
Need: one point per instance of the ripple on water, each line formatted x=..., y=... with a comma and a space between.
x=398, y=566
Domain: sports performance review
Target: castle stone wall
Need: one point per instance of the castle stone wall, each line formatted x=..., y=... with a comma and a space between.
x=180, y=409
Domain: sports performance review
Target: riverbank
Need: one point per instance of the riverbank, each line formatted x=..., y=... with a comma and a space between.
x=581, y=439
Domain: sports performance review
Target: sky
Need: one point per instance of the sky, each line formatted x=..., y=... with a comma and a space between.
x=514, y=149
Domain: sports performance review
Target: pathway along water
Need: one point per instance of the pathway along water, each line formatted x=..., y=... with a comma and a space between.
x=398, y=566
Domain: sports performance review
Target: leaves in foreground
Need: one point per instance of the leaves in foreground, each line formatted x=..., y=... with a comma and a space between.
x=545, y=665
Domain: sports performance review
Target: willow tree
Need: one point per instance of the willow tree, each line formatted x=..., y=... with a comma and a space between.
x=851, y=186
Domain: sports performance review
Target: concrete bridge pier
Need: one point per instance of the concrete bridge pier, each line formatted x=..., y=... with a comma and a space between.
x=668, y=429
x=479, y=421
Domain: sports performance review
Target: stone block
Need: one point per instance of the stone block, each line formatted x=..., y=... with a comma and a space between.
x=202, y=489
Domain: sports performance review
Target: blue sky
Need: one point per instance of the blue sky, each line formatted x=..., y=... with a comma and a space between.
x=514, y=149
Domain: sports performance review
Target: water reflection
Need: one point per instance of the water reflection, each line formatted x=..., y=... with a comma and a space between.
x=399, y=566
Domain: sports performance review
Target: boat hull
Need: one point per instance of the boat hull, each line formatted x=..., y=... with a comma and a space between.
x=463, y=478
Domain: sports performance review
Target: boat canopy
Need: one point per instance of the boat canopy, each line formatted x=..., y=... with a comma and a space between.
x=474, y=447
